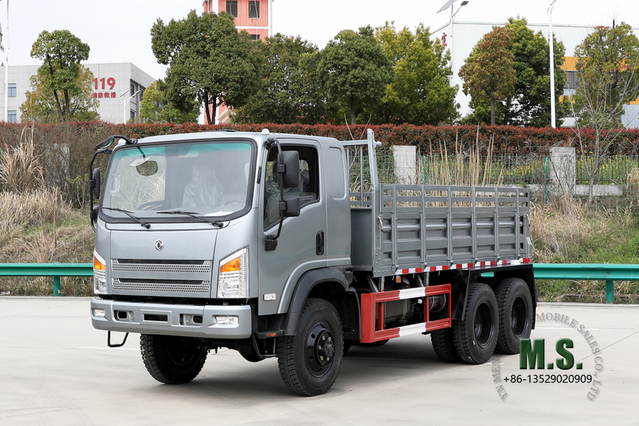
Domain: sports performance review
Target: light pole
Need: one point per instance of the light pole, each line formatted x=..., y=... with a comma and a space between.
x=553, y=124
x=125, y=102
x=448, y=4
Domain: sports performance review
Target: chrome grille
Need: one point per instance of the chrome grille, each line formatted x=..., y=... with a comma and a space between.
x=177, y=268
x=168, y=286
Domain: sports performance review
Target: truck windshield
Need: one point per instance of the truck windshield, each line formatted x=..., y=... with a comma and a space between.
x=208, y=179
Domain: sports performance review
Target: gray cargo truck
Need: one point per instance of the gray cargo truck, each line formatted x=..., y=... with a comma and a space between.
x=288, y=246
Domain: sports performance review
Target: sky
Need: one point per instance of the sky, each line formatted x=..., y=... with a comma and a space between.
x=119, y=30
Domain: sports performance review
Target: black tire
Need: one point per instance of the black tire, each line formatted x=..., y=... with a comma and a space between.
x=309, y=362
x=475, y=336
x=444, y=345
x=515, y=314
x=172, y=359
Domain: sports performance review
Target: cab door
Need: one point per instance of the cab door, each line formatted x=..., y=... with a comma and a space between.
x=300, y=246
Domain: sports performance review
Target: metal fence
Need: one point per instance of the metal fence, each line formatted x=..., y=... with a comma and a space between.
x=529, y=170
x=610, y=170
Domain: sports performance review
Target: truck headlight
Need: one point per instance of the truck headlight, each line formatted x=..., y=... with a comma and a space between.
x=233, y=278
x=99, y=274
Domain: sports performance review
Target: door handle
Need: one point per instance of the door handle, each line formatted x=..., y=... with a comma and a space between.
x=319, y=243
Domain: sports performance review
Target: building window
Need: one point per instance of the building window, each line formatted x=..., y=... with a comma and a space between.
x=572, y=82
x=231, y=8
x=12, y=90
x=255, y=37
x=12, y=116
x=254, y=9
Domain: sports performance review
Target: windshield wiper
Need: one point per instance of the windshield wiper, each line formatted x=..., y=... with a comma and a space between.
x=131, y=215
x=194, y=215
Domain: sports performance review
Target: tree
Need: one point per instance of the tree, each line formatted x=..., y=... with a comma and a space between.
x=421, y=93
x=355, y=69
x=607, y=65
x=608, y=78
x=288, y=92
x=530, y=104
x=42, y=107
x=157, y=108
x=489, y=73
x=59, y=75
x=208, y=61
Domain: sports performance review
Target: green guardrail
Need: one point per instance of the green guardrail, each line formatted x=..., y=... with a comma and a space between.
x=588, y=271
x=55, y=270
x=543, y=271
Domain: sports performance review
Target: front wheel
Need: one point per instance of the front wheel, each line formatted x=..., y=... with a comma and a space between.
x=172, y=359
x=475, y=336
x=309, y=362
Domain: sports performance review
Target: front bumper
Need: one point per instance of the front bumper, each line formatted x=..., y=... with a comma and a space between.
x=157, y=318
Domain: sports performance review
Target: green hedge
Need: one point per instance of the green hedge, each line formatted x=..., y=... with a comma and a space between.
x=506, y=138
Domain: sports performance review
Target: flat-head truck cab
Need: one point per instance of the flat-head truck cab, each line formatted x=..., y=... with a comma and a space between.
x=287, y=246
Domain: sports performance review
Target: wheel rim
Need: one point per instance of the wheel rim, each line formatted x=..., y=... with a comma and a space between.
x=180, y=351
x=320, y=350
x=484, y=328
x=519, y=317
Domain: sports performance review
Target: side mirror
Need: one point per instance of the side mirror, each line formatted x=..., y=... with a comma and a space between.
x=290, y=207
x=94, y=183
x=291, y=162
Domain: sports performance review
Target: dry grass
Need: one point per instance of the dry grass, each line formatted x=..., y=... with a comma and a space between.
x=571, y=231
x=69, y=242
x=20, y=211
x=20, y=168
x=562, y=222
x=464, y=168
x=566, y=223
x=36, y=224
x=632, y=186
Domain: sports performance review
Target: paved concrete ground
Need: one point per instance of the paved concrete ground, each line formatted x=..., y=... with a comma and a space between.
x=55, y=369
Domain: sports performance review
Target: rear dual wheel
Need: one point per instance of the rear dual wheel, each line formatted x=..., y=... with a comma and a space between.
x=475, y=336
x=515, y=314
x=444, y=345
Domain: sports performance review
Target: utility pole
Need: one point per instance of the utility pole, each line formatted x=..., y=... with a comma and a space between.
x=126, y=100
x=553, y=123
x=5, y=38
x=451, y=23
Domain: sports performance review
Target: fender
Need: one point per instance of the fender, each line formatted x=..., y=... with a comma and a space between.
x=307, y=282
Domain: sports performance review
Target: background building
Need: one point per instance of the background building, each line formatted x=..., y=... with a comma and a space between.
x=119, y=88
x=254, y=16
